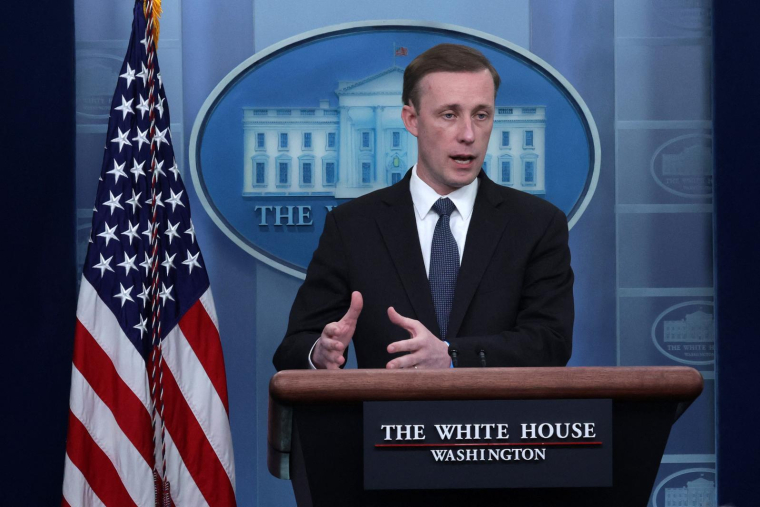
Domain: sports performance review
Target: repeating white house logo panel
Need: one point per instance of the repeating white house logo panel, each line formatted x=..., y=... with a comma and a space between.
x=316, y=120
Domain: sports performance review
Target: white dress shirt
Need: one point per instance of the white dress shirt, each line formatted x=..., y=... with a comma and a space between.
x=423, y=198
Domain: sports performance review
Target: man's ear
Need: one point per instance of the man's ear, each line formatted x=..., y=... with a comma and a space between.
x=409, y=115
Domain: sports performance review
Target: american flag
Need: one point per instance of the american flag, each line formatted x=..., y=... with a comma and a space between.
x=401, y=51
x=148, y=417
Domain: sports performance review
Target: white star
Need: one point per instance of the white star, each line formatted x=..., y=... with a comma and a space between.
x=113, y=202
x=103, y=265
x=129, y=75
x=191, y=232
x=149, y=231
x=157, y=171
x=143, y=73
x=137, y=169
x=168, y=262
x=142, y=137
x=121, y=139
x=192, y=261
x=165, y=293
x=171, y=231
x=143, y=106
x=108, y=234
x=125, y=107
x=175, y=199
x=145, y=294
x=174, y=170
x=132, y=230
x=124, y=295
x=89, y=238
x=147, y=263
x=158, y=200
x=118, y=170
x=134, y=201
x=160, y=83
x=160, y=106
x=141, y=326
x=160, y=137
x=144, y=42
x=129, y=263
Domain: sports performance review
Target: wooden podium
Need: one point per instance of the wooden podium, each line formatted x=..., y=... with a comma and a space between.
x=315, y=428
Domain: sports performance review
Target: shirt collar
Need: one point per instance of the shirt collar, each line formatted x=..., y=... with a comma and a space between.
x=423, y=196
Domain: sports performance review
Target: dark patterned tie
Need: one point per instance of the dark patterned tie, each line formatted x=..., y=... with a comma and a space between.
x=444, y=264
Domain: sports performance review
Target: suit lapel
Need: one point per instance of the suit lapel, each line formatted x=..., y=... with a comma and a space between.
x=485, y=231
x=399, y=229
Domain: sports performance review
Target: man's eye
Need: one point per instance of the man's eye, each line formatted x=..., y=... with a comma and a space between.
x=448, y=116
x=482, y=116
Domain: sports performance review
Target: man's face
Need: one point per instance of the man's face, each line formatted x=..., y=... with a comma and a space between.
x=452, y=123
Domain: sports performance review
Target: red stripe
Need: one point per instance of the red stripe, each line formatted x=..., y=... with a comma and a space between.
x=196, y=451
x=203, y=337
x=64, y=503
x=99, y=371
x=97, y=469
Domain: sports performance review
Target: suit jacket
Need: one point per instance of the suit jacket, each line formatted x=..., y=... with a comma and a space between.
x=514, y=293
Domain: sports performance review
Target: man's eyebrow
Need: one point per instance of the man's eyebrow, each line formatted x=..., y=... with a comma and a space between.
x=458, y=107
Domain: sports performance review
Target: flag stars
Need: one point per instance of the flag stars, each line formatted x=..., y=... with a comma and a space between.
x=160, y=106
x=117, y=171
x=157, y=171
x=141, y=326
x=137, y=169
x=147, y=264
x=165, y=293
x=143, y=106
x=131, y=231
x=168, y=262
x=123, y=295
x=104, y=265
x=129, y=75
x=191, y=232
x=129, y=263
x=125, y=107
x=108, y=234
x=174, y=170
x=113, y=202
x=160, y=83
x=192, y=261
x=149, y=231
x=143, y=73
x=160, y=137
x=175, y=199
x=142, y=137
x=171, y=231
x=121, y=139
x=158, y=200
x=134, y=202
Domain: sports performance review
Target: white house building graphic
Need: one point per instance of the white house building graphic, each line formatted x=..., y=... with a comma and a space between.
x=362, y=144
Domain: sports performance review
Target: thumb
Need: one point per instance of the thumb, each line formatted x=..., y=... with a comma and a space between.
x=410, y=325
x=352, y=315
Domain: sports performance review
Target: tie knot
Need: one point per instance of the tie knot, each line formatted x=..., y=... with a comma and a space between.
x=444, y=206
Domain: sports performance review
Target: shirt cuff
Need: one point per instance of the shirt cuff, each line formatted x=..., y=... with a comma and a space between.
x=451, y=363
x=311, y=365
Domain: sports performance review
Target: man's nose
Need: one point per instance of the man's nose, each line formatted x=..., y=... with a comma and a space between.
x=466, y=131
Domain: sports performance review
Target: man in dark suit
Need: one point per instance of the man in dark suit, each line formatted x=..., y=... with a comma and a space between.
x=445, y=268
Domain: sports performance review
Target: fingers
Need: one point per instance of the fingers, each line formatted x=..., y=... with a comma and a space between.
x=413, y=326
x=352, y=315
x=328, y=354
x=410, y=345
x=407, y=361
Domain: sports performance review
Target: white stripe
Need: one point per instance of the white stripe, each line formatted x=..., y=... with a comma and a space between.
x=101, y=424
x=201, y=397
x=207, y=300
x=183, y=488
x=76, y=490
x=101, y=323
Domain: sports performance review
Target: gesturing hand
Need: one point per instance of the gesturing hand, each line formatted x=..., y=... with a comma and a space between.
x=425, y=349
x=328, y=352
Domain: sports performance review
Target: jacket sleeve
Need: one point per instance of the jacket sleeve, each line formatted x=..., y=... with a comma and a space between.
x=324, y=297
x=543, y=330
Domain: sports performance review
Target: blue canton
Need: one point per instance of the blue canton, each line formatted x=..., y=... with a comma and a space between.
x=119, y=255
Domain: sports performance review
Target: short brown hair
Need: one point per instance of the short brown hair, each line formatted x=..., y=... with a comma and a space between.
x=444, y=58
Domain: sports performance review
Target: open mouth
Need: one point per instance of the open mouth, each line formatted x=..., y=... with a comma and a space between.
x=463, y=159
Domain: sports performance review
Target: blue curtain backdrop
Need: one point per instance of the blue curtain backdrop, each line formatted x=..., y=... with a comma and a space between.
x=642, y=252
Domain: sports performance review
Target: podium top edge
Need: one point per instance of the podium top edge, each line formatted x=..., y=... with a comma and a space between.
x=646, y=383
